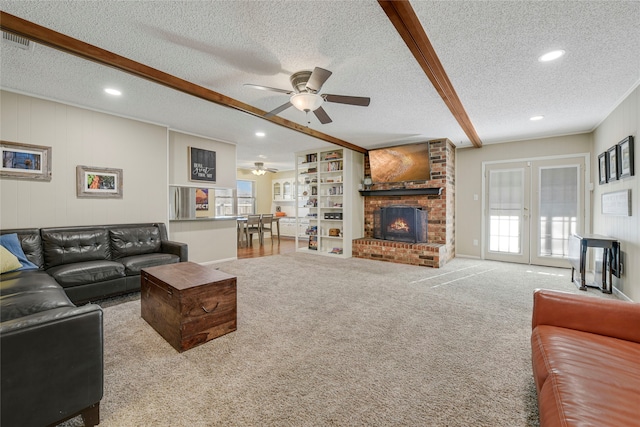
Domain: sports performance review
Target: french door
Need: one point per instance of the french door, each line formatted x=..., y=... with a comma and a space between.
x=532, y=208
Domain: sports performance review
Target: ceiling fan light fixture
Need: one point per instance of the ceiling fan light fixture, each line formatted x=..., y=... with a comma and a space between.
x=258, y=172
x=307, y=101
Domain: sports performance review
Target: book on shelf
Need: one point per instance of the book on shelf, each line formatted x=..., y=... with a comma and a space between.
x=313, y=243
x=332, y=156
x=336, y=251
x=334, y=166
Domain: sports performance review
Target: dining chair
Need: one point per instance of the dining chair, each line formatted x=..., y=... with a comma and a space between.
x=243, y=237
x=267, y=225
x=253, y=225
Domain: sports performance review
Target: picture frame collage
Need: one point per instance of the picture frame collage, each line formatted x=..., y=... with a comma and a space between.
x=617, y=162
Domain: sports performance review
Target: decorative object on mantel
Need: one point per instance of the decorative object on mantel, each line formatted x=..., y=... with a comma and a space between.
x=625, y=157
x=612, y=164
x=202, y=165
x=25, y=161
x=95, y=182
x=367, y=183
x=404, y=192
x=617, y=203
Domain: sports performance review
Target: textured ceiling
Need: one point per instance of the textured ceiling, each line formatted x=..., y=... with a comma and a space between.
x=489, y=50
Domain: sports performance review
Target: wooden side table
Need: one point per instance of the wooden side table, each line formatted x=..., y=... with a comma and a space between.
x=578, y=245
x=188, y=304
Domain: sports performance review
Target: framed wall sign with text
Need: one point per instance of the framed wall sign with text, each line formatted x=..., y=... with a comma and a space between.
x=202, y=165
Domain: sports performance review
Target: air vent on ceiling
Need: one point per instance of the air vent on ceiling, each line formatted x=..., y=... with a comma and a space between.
x=17, y=41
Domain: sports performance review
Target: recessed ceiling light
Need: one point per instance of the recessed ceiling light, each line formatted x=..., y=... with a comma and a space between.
x=550, y=56
x=111, y=91
x=535, y=118
x=260, y=134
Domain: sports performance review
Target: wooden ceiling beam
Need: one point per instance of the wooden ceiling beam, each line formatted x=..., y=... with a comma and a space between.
x=404, y=19
x=59, y=41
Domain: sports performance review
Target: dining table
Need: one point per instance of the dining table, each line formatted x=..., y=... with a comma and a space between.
x=243, y=234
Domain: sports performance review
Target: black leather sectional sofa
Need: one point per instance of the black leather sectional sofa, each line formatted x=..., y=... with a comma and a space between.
x=51, y=350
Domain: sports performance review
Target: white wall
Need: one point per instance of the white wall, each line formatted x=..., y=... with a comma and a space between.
x=622, y=122
x=82, y=137
x=208, y=240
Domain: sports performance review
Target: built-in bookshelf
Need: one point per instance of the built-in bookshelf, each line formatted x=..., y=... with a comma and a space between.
x=327, y=189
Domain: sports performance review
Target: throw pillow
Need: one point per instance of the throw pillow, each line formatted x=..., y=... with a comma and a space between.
x=12, y=244
x=8, y=261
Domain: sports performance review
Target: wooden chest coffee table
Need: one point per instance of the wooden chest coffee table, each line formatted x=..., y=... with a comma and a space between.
x=188, y=303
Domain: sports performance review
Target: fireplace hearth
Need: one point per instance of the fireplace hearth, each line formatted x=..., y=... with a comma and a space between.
x=400, y=224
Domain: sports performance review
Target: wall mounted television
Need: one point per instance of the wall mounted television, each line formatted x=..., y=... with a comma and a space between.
x=400, y=163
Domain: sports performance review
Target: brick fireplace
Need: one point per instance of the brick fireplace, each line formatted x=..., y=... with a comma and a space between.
x=436, y=197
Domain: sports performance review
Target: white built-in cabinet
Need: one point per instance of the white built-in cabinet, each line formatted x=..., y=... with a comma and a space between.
x=282, y=190
x=327, y=188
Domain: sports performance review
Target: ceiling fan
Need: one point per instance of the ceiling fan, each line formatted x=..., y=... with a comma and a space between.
x=261, y=170
x=305, y=97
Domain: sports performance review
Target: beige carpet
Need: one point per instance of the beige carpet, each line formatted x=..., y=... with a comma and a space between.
x=323, y=341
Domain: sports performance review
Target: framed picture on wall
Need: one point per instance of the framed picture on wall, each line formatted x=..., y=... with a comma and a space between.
x=25, y=161
x=602, y=168
x=625, y=157
x=101, y=183
x=612, y=163
x=202, y=165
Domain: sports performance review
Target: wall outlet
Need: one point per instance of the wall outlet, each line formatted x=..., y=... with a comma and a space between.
x=475, y=242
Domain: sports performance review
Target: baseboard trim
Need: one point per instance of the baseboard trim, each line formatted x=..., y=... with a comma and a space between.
x=467, y=256
x=617, y=292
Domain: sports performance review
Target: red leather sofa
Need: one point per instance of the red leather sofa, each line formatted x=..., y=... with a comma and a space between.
x=585, y=352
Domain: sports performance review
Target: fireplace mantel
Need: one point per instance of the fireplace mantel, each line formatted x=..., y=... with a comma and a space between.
x=403, y=192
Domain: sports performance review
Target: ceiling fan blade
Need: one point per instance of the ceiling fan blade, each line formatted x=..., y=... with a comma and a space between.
x=322, y=115
x=317, y=79
x=279, y=109
x=272, y=170
x=350, y=100
x=271, y=89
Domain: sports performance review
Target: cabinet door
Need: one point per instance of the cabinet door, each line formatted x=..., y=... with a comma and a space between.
x=287, y=191
x=287, y=227
x=277, y=190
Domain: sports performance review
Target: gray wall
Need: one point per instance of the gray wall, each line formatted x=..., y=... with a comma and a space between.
x=622, y=122
x=82, y=137
x=151, y=157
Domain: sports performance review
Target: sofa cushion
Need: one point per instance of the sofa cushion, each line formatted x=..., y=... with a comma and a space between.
x=72, y=246
x=81, y=273
x=26, y=280
x=8, y=261
x=24, y=303
x=12, y=244
x=585, y=378
x=133, y=264
x=134, y=241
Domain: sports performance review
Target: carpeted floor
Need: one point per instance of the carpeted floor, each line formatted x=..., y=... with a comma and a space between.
x=323, y=341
